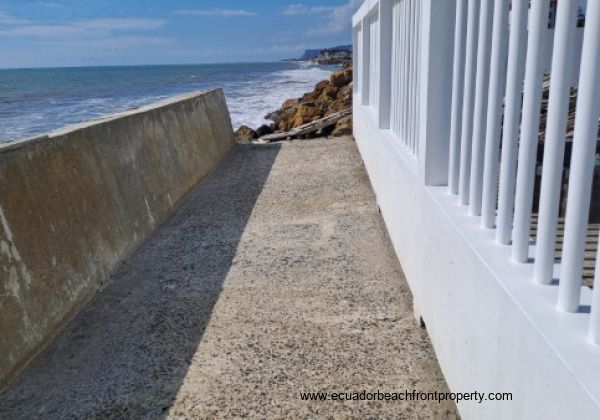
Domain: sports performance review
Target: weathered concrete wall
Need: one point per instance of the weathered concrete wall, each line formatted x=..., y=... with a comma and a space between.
x=75, y=203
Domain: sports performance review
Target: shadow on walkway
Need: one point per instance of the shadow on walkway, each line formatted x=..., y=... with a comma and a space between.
x=127, y=352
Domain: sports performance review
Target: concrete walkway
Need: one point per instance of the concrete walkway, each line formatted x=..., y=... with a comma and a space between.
x=274, y=277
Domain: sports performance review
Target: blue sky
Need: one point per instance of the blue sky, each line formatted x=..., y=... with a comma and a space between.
x=51, y=33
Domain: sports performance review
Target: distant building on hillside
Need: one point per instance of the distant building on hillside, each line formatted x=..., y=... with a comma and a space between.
x=334, y=56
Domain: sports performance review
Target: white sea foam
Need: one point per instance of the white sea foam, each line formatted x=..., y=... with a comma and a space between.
x=252, y=102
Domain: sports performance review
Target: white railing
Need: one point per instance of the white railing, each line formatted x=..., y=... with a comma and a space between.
x=472, y=120
x=495, y=119
x=393, y=50
x=525, y=77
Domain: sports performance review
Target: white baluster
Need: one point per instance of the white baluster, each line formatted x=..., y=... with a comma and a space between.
x=582, y=169
x=405, y=81
x=418, y=78
x=457, y=94
x=469, y=100
x=494, y=116
x=411, y=79
x=512, y=113
x=554, y=145
x=364, y=95
x=532, y=97
x=482, y=86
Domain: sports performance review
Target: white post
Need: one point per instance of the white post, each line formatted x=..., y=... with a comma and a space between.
x=469, y=101
x=397, y=74
x=411, y=78
x=512, y=114
x=582, y=167
x=413, y=96
x=395, y=71
x=374, y=59
x=385, y=62
x=366, y=58
x=418, y=73
x=405, y=74
x=435, y=90
x=494, y=116
x=532, y=97
x=482, y=86
x=554, y=145
x=355, y=49
x=458, y=78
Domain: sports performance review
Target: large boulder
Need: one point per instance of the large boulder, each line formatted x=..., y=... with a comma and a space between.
x=329, y=93
x=348, y=73
x=310, y=97
x=286, y=119
x=290, y=103
x=264, y=130
x=306, y=113
x=321, y=85
x=343, y=101
x=245, y=134
x=343, y=127
x=337, y=106
x=341, y=77
x=274, y=116
x=346, y=93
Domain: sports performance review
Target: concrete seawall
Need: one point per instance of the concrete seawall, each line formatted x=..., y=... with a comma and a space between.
x=75, y=203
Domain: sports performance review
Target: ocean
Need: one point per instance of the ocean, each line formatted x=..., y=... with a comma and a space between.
x=36, y=101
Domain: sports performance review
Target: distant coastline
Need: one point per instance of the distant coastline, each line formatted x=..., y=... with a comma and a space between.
x=339, y=55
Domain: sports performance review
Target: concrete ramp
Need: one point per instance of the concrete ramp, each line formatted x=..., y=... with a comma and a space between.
x=273, y=278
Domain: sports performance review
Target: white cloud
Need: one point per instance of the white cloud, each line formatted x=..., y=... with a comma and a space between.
x=238, y=52
x=339, y=19
x=215, y=12
x=118, y=43
x=75, y=51
x=122, y=24
x=6, y=19
x=87, y=28
x=301, y=9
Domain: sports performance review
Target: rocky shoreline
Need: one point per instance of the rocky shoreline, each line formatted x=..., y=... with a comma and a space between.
x=324, y=111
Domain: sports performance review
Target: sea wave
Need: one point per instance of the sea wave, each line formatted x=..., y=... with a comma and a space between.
x=249, y=105
x=44, y=100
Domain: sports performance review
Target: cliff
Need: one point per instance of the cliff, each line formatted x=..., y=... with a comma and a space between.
x=341, y=51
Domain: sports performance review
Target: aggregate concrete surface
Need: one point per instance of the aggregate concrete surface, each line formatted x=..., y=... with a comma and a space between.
x=273, y=277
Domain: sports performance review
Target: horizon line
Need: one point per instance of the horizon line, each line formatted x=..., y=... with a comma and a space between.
x=149, y=64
